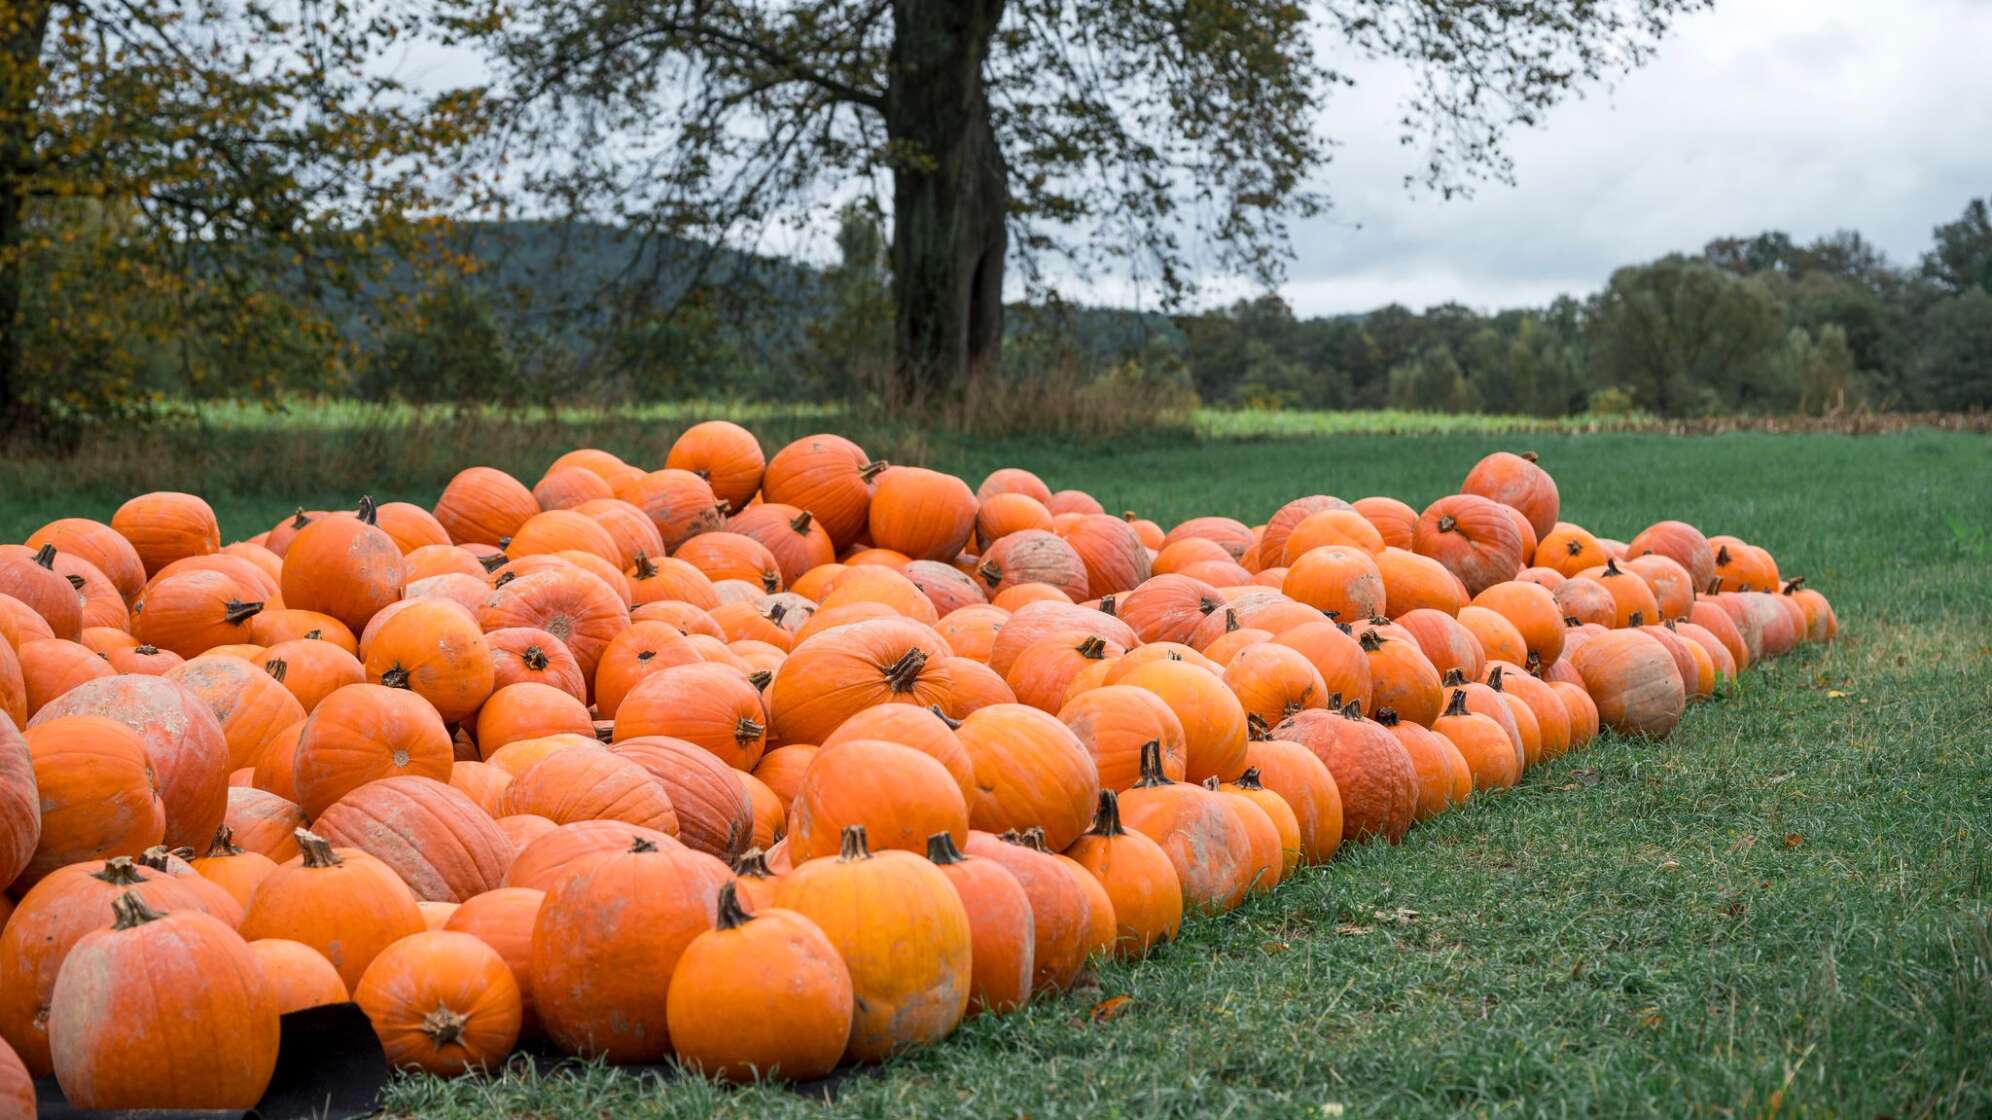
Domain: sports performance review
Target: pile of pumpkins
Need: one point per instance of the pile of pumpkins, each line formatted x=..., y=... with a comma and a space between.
x=761, y=764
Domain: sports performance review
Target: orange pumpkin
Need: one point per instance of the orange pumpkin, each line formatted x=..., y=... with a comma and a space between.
x=1569, y=549
x=574, y=606
x=1113, y=722
x=1532, y=610
x=435, y=650
x=1030, y=770
x=1673, y=588
x=20, y=805
x=1114, y=556
x=52, y=667
x=1138, y=877
x=299, y=976
x=482, y=505
x=1036, y=621
x=432, y=835
x=898, y=794
x=1680, y=542
x=587, y=783
x=97, y=790
x=1167, y=608
x=342, y=902
x=233, y=869
x=364, y=732
x=1337, y=656
x=1586, y=601
x=1444, y=779
x=1412, y=581
x=1473, y=538
x=1487, y=747
x=166, y=526
x=1448, y=645
x=200, y=984
x=310, y=670
x=1298, y=777
x=835, y=674
x=715, y=813
x=1002, y=928
x=725, y=454
x=567, y=487
x=1402, y=678
x=607, y=942
x=713, y=706
x=272, y=627
x=503, y=919
x=725, y=556
x=184, y=747
x=1633, y=602
x=902, y=932
x=1373, y=775
x=1205, y=841
x=346, y=567
x=773, y=959
x=1516, y=481
x=792, y=536
x=441, y=1002
x=1634, y=681
x=1342, y=582
x=105, y=549
x=829, y=476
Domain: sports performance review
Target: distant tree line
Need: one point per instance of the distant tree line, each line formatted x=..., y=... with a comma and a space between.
x=1757, y=324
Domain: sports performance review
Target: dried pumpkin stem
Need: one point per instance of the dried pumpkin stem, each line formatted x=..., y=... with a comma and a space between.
x=905, y=672
x=1151, y=766
x=729, y=913
x=753, y=864
x=224, y=843
x=941, y=849
x=131, y=911
x=1106, y=818
x=119, y=871
x=1457, y=705
x=237, y=612
x=315, y=850
x=444, y=1026
x=368, y=513
x=852, y=845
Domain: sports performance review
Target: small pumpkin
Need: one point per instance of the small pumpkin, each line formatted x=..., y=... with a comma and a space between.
x=342, y=902
x=441, y=1002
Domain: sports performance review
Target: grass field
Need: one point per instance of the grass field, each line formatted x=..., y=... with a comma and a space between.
x=1781, y=910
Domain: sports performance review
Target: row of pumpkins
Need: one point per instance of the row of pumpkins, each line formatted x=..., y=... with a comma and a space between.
x=764, y=764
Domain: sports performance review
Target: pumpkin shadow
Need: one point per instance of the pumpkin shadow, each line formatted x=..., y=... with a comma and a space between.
x=329, y=1065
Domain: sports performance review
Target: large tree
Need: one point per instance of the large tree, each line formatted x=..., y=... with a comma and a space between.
x=192, y=182
x=1166, y=139
x=1685, y=337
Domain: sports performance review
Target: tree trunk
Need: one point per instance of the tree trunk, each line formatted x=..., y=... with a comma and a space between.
x=950, y=197
x=20, y=84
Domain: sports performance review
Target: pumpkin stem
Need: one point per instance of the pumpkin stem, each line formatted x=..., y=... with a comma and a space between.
x=278, y=670
x=1230, y=620
x=1352, y=710
x=747, y=730
x=1151, y=766
x=131, y=911
x=314, y=635
x=775, y=613
x=1722, y=557
x=75, y=581
x=1107, y=606
x=873, y=469
x=1530, y=456
x=1034, y=840
x=991, y=572
x=1371, y=641
x=724, y=506
x=753, y=864
x=772, y=581
x=1574, y=547
x=299, y=521
x=444, y=1027
x=504, y=579
x=1172, y=655
x=646, y=655
x=46, y=556
x=1210, y=783
x=396, y=677
x=1206, y=604
x=368, y=513
x=1611, y=568
x=316, y=852
x=534, y=658
x=644, y=568
x=1636, y=618
x=1094, y=648
x=146, y=651
x=953, y=724
x=1387, y=716
x=730, y=914
x=1129, y=516
x=801, y=522
x=1335, y=701
x=1454, y=676
x=1793, y=584
x=119, y=871
x=494, y=561
x=905, y=672
x=639, y=845
x=941, y=849
x=1106, y=818
x=159, y=857
x=1446, y=523
x=852, y=844
x=238, y=612
x=605, y=731
x=224, y=843
x=1250, y=779
x=1534, y=663
x=760, y=679
x=1457, y=705
x=1340, y=625
x=1572, y=621
x=1494, y=678
x=1256, y=727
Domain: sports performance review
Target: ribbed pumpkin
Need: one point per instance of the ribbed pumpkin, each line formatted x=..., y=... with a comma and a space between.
x=1059, y=908
x=725, y=454
x=104, y=548
x=1373, y=775
x=1448, y=645
x=1486, y=746
x=1204, y=840
x=249, y=704
x=529, y=711
x=1274, y=681
x=1533, y=611
x=1002, y=927
x=1167, y=608
x=903, y=934
x=574, y=606
x=714, y=706
x=792, y=536
x=1444, y=779
x=715, y=814
x=97, y=791
x=778, y=962
x=432, y=835
x=233, y=869
x=1043, y=674
x=1634, y=682
x=300, y=978
x=1673, y=589
x=1473, y=538
x=1036, y=621
x=1337, y=656
x=1402, y=678
x=180, y=975
x=928, y=731
x=1263, y=836
x=1114, y=556
x=546, y=859
x=782, y=769
x=183, y=743
x=1552, y=718
x=606, y=943
x=1632, y=597
x=1030, y=770
x=51, y=917
x=435, y=650
x=311, y=670
x=482, y=505
x=264, y=822
x=342, y=902
x=1214, y=723
x=364, y=732
x=51, y=667
x=1516, y=481
x=443, y=1003
x=646, y=648
x=1342, y=582
x=836, y=674
x=567, y=487
x=166, y=526
x=1033, y=556
x=20, y=804
x=1586, y=601
x=587, y=783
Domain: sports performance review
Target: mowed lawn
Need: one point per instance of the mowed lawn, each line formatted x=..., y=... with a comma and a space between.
x=1782, y=909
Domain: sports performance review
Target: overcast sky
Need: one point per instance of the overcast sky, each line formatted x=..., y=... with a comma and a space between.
x=1801, y=115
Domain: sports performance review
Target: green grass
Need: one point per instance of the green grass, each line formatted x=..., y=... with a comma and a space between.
x=1781, y=910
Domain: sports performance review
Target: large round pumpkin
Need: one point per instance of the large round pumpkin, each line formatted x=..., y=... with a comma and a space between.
x=901, y=797
x=714, y=706
x=443, y=1003
x=1137, y=876
x=1030, y=771
x=342, y=902
x=1516, y=481
x=836, y=674
x=432, y=835
x=1634, y=681
x=98, y=794
x=183, y=742
x=435, y=650
x=714, y=812
x=364, y=732
x=166, y=526
x=1373, y=775
x=1204, y=840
